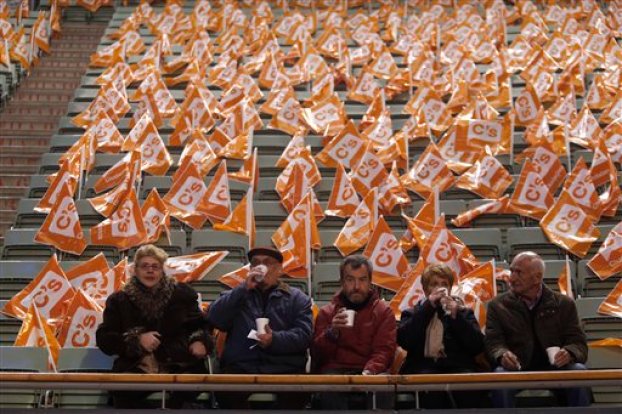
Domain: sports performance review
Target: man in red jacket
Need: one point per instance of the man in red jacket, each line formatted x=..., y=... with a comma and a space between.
x=365, y=347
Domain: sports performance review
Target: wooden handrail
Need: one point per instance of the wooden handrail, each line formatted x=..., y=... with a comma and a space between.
x=216, y=382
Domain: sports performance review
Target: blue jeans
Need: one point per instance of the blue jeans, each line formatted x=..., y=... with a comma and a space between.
x=575, y=397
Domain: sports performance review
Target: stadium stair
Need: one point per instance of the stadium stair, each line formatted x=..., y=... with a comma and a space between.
x=31, y=116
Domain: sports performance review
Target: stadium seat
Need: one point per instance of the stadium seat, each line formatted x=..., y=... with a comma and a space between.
x=82, y=360
x=25, y=359
x=531, y=238
x=485, y=244
x=207, y=240
x=595, y=325
x=591, y=285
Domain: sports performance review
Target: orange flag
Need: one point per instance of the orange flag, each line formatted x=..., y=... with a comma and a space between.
x=473, y=135
x=80, y=323
x=426, y=103
x=96, y=279
x=186, y=193
x=369, y=173
x=411, y=291
x=612, y=305
x=242, y=219
x=64, y=178
x=289, y=118
x=248, y=172
x=478, y=284
x=235, y=278
x=566, y=225
x=36, y=331
x=602, y=165
x=584, y=130
x=326, y=117
x=297, y=185
x=357, y=230
x=156, y=217
x=347, y=148
x=546, y=163
x=608, y=260
x=613, y=111
x=607, y=342
x=343, y=199
x=429, y=173
x=107, y=136
x=564, y=280
x=444, y=247
x=526, y=105
x=125, y=227
x=580, y=187
x=421, y=225
x=216, y=203
x=48, y=291
x=389, y=263
x=499, y=206
x=61, y=228
x=119, y=172
x=297, y=250
x=107, y=203
x=305, y=207
x=531, y=197
x=291, y=151
x=306, y=161
x=194, y=267
x=487, y=178
x=199, y=151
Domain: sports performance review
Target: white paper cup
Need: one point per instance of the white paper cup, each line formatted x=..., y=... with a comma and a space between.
x=261, y=325
x=259, y=273
x=350, y=314
x=551, y=351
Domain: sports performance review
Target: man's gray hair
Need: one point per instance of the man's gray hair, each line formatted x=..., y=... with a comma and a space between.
x=535, y=260
x=355, y=261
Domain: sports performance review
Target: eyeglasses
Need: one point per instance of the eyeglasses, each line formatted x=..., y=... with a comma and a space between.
x=146, y=266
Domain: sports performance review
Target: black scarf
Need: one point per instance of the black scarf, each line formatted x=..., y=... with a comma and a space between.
x=151, y=302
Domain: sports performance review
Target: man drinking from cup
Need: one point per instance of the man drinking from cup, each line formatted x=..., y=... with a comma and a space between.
x=268, y=326
x=355, y=333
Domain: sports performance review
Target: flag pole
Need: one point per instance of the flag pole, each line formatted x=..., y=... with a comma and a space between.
x=569, y=290
x=249, y=216
x=494, y=277
x=308, y=247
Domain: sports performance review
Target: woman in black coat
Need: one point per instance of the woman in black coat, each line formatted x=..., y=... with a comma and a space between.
x=441, y=336
x=154, y=325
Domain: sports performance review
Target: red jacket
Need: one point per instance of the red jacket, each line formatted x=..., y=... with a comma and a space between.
x=369, y=345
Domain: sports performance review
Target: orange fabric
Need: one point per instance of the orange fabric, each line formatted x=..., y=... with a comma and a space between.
x=608, y=260
x=156, y=217
x=566, y=225
x=125, y=227
x=36, y=331
x=612, y=305
x=346, y=148
x=487, y=178
x=193, y=267
x=430, y=172
x=48, y=292
x=358, y=229
x=369, y=172
x=531, y=197
x=187, y=191
x=235, y=278
x=61, y=229
x=389, y=263
x=216, y=203
x=80, y=322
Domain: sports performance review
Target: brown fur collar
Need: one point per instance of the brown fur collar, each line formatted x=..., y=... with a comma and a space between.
x=150, y=302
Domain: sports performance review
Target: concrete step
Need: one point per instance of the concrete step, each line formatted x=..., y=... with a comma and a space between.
x=9, y=160
x=9, y=202
x=35, y=110
x=15, y=192
x=51, y=73
x=50, y=84
x=26, y=95
x=17, y=142
x=16, y=180
x=7, y=215
x=58, y=62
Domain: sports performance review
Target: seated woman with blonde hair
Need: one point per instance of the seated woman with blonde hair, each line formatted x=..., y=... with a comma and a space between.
x=154, y=325
x=441, y=336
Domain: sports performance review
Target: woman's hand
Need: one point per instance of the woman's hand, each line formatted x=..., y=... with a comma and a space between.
x=150, y=341
x=198, y=350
